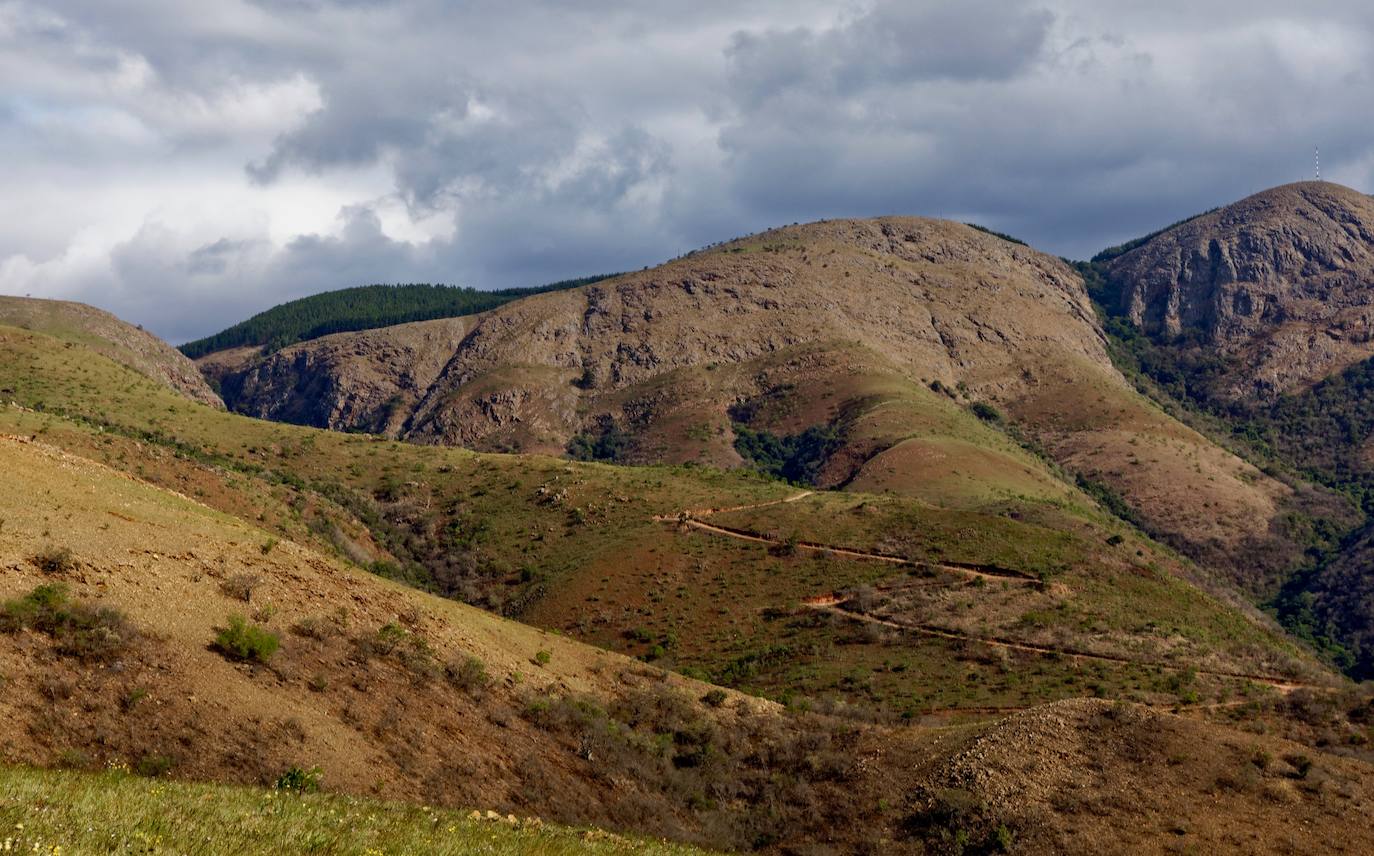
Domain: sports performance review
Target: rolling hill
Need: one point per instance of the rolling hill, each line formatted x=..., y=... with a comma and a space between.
x=107, y=335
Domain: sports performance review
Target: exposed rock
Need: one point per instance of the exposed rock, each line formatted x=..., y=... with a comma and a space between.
x=1279, y=281
x=369, y=380
x=950, y=302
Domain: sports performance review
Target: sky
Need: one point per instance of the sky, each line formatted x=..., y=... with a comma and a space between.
x=186, y=164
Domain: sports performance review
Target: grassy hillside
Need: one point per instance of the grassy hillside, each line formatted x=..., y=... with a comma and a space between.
x=362, y=308
x=107, y=335
x=577, y=547
x=116, y=812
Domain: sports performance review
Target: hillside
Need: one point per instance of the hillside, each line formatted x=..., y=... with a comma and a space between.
x=923, y=357
x=1250, y=322
x=1276, y=285
x=362, y=308
x=370, y=682
x=124, y=343
x=116, y=811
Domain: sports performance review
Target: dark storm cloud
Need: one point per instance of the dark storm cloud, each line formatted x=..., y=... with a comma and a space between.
x=187, y=165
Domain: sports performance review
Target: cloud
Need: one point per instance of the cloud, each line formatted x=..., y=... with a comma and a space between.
x=187, y=170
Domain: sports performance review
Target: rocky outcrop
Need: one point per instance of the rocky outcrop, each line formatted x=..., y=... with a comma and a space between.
x=368, y=381
x=120, y=341
x=1281, y=282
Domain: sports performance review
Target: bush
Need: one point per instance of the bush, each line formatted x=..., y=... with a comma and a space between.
x=300, y=781
x=153, y=766
x=468, y=674
x=543, y=657
x=410, y=649
x=89, y=633
x=986, y=412
x=243, y=641
x=54, y=560
x=241, y=586
x=714, y=698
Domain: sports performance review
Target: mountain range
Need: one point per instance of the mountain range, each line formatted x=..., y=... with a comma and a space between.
x=885, y=535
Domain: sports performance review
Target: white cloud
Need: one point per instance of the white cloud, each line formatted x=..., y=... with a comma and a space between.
x=187, y=169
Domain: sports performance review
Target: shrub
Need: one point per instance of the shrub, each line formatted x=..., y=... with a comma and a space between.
x=153, y=766
x=300, y=781
x=243, y=641
x=714, y=698
x=468, y=674
x=543, y=657
x=241, y=586
x=986, y=412
x=315, y=627
x=88, y=633
x=54, y=560
x=411, y=650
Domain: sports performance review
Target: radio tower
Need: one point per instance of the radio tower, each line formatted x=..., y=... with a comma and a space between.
x=1317, y=155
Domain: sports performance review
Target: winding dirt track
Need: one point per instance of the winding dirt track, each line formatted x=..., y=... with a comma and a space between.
x=693, y=519
x=832, y=602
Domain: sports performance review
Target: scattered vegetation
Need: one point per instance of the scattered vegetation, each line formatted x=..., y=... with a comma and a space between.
x=70, y=812
x=95, y=634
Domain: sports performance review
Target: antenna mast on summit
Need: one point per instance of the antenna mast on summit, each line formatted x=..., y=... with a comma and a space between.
x=1317, y=156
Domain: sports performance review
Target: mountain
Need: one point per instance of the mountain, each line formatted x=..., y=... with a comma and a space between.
x=122, y=342
x=1277, y=285
x=873, y=617
x=898, y=354
x=1252, y=322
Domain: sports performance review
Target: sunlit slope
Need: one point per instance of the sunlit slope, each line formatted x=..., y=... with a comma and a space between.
x=120, y=341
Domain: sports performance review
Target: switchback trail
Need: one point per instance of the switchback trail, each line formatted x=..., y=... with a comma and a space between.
x=692, y=518
x=832, y=604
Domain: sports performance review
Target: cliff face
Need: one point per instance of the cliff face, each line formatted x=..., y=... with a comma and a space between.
x=368, y=381
x=120, y=341
x=1281, y=282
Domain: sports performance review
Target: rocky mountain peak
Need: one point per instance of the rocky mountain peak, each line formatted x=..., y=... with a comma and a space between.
x=1280, y=280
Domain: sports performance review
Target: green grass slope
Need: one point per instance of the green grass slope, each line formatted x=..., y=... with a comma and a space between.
x=76, y=813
